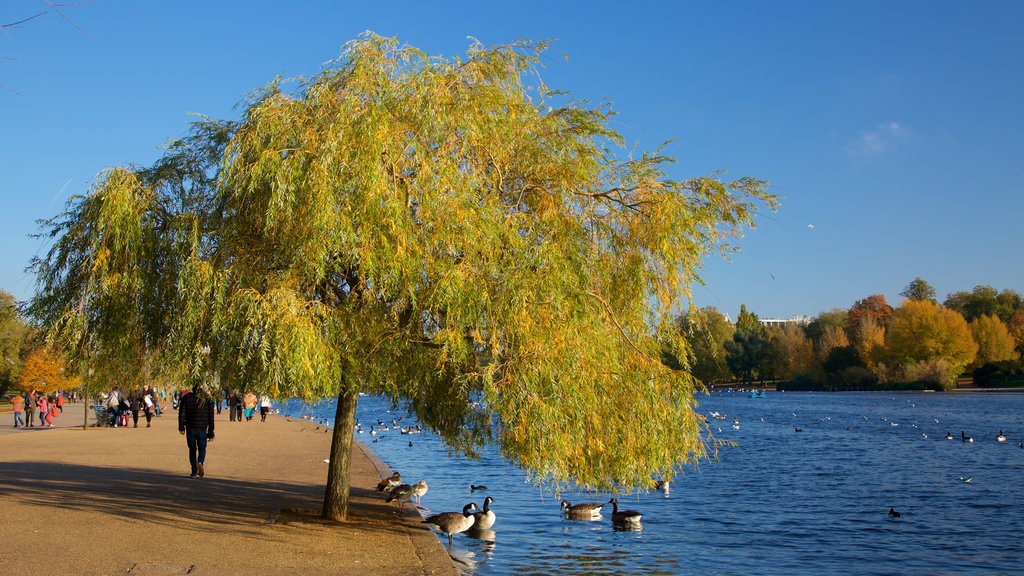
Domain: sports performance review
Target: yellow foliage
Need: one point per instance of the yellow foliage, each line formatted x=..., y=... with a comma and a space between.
x=43, y=371
x=923, y=331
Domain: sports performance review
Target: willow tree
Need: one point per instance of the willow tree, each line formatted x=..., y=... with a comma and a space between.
x=446, y=232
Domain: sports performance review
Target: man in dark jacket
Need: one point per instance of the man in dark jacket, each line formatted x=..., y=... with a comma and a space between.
x=195, y=421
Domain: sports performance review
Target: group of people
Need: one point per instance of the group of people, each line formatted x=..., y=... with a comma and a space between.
x=245, y=405
x=27, y=407
x=144, y=400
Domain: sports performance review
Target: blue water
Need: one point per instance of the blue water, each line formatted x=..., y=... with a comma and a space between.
x=780, y=502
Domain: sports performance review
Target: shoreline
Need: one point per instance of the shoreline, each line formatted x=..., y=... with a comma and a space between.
x=119, y=501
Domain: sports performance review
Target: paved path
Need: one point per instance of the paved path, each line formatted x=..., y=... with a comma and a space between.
x=119, y=501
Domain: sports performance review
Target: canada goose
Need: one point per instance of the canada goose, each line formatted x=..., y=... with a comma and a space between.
x=949, y=435
x=798, y=429
x=965, y=438
x=402, y=493
x=967, y=480
x=581, y=511
x=389, y=482
x=486, y=518
x=624, y=516
x=894, y=514
x=418, y=490
x=474, y=488
x=453, y=522
x=1000, y=437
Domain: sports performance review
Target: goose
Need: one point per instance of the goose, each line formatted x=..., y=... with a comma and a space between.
x=582, y=511
x=894, y=514
x=485, y=519
x=798, y=429
x=624, y=516
x=419, y=489
x=474, y=487
x=453, y=522
x=401, y=493
x=967, y=480
x=949, y=435
x=1000, y=437
x=389, y=482
x=965, y=438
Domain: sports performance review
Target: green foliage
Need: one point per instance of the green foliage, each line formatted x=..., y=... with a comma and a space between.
x=706, y=332
x=986, y=300
x=13, y=334
x=747, y=353
x=841, y=358
x=431, y=229
x=919, y=289
x=1004, y=373
x=749, y=322
x=792, y=352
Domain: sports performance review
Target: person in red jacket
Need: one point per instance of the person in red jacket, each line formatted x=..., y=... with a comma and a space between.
x=195, y=422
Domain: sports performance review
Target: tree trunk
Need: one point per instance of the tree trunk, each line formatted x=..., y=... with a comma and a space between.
x=85, y=418
x=338, y=470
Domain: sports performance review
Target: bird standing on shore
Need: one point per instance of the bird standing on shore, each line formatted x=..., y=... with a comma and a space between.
x=419, y=489
x=389, y=482
x=452, y=523
x=401, y=493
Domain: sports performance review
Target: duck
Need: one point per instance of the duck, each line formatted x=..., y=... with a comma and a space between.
x=965, y=438
x=1000, y=437
x=389, y=482
x=452, y=523
x=475, y=487
x=418, y=490
x=581, y=511
x=402, y=494
x=623, y=516
x=967, y=480
x=893, y=513
x=485, y=519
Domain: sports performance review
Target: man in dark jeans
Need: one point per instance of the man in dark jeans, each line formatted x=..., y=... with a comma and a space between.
x=195, y=421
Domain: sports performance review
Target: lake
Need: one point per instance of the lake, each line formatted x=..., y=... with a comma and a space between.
x=779, y=502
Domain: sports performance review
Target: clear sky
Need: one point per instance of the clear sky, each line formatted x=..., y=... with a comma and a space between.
x=893, y=130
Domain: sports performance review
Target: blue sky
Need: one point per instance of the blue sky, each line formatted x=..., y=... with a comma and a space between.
x=893, y=128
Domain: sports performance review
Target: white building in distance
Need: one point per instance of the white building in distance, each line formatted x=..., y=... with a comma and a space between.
x=778, y=322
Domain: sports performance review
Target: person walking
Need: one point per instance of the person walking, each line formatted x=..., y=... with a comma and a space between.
x=249, y=400
x=135, y=405
x=195, y=422
x=30, y=409
x=18, y=402
x=264, y=407
x=114, y=406
x=45, y=420
x=60, y=402
x=149, y=405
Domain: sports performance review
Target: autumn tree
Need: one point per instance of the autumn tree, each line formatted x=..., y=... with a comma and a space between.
x=874, y=308
x=436, y=230
x=827, y=331
x=922, y=331
x=44, y=371
x=1016, y=327
x=792, y=351
x=919, y=289
x=995, y=343
x=866, y=336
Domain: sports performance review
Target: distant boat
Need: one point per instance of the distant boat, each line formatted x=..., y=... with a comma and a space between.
x=758, y=394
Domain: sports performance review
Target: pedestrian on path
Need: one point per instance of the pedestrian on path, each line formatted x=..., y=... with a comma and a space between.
x=249, y=400
x=30, y=409
x=195, y=422
x=18, y=401
x=264, y=407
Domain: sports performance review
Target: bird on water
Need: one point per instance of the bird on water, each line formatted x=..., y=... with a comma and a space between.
x=584, y=511
x=894, y=514
x=452, y=523
x=630, y=517
x=486, y=518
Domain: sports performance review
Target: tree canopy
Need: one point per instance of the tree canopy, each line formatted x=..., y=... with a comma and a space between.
x=923, y=331
x=919, y=289
x=447, y=232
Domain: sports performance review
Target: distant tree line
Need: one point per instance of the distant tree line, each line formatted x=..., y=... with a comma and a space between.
x=919, y=345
